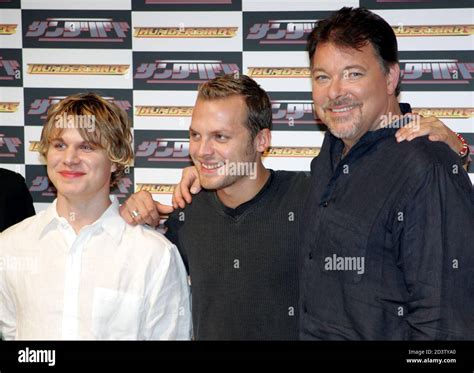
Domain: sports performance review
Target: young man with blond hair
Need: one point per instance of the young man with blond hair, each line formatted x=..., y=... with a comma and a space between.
x=77, y=270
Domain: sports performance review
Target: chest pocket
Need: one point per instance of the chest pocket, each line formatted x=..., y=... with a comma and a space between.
x=116, y=315
x=344, y=247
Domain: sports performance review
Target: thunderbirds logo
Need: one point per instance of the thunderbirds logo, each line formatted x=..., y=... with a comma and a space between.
x=292, y=152
x=156, y=188
x=8, y=107
x=40, y=106
x=34, y=146
x=445, y=71
x=163, y=111
x=77, y=69
x=7, y=29
x=453, y=112
x=176, y=71
x=279, y=72
x=78, y=30
x=281, y=31
x=185, y=32
x=434, y=30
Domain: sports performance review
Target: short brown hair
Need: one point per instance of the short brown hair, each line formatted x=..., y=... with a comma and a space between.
x=259, y=107
x=111, y=130
x=355, y=28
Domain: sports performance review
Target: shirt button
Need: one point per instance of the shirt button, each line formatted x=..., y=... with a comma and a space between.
x=325, y=204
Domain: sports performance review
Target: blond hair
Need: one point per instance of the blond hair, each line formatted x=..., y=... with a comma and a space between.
x=259, y=107
x=111, y=129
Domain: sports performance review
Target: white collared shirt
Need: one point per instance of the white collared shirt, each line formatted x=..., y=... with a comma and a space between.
x=110, y=281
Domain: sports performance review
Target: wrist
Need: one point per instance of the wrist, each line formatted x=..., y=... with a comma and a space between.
x=464, y=147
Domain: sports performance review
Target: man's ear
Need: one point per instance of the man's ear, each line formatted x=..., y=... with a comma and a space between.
x=393, y=76
x=113, y=168
x=263, y=140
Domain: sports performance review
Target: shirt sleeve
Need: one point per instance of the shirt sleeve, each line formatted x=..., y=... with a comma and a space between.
x=168, y=310
x=437, y=256
x=7, y=306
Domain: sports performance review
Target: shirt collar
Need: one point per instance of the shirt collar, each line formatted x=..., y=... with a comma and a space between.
x=110, y=221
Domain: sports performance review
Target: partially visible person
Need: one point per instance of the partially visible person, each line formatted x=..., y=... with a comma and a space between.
x=16, y=203
x=77, y=270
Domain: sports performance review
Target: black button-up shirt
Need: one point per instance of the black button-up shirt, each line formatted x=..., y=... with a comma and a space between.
x=388, y=248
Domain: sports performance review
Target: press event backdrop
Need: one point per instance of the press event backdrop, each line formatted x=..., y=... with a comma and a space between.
x=149, y=56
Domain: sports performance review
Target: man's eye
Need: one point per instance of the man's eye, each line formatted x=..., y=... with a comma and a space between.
x=355, y=74
x=320, y=78
x=194, y=136
x=87, y=147
x=59, y=145
x=221, y=137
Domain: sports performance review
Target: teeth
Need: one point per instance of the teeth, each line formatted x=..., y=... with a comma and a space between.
x=212, y=166
x=347, y=108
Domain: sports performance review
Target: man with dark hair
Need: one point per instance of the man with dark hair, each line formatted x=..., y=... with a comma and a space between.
x=386, y=250
x=16, y=203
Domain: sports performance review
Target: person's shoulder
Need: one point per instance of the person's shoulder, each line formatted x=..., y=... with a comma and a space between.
x=295, y=180
x=10, y=178
x=422, y=152
x=422, y=158
x=148, y=241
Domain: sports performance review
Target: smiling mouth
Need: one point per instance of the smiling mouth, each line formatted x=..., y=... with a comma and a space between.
x=341, y=109
x=71, y=175
x=212, y=166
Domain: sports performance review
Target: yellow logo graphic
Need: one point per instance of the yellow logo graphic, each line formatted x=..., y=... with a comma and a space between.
x=445, y=112
x=185, y=32
x=8, y=107
x=295, y=151
x=163, y=111
x=34, y=146
x=278, y=72
x=434, y=30
x=156, y=188
x=7, y=29
x=77, y=69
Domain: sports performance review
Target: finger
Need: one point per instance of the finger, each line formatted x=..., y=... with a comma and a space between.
x=178, y=200
x=435, y=137
x=142, y=210
x=196, y=187
x=150, y=214
x=164, y=209
x=402, y=134
x=185, y=193
x=126, y=215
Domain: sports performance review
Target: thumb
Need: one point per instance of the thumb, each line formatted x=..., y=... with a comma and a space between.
x=196, y=187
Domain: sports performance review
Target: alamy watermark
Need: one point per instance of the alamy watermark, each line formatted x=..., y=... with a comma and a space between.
x=345, y=263
x=19, y=264
x=66, y=121
x=400, y=121
x=238, y=169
